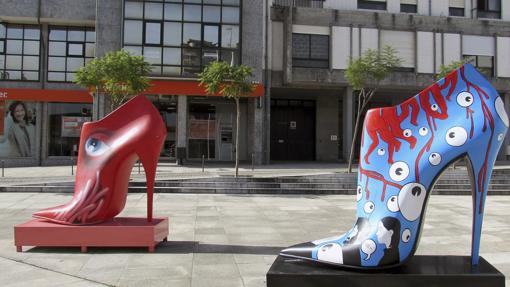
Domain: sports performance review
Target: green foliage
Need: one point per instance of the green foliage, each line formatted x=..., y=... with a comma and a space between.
x=446, y=69
x=117, y=74
x=229, y=81
x=371, y=66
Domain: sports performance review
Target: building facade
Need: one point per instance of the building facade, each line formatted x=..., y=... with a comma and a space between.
x=303, y=107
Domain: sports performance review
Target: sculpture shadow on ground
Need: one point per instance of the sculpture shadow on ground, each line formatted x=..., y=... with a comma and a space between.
x=170, y=247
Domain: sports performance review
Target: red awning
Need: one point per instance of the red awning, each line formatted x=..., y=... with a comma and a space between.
x=188, y=88
x=43, y=95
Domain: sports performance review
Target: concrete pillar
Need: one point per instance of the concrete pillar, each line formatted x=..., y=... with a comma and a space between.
x=326, y=147
x=287, y=44
x=348, y=121
x=182, y=128
x=258, y=135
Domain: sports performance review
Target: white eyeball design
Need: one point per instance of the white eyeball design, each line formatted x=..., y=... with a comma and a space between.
x=368, y=247
x=434, y=107
x=369, y=207
x=381, y=151
x=500, y=109
x=410, y=200
x=456, y=136
x=465, y=99
x=331, y=252
x=423, y=131
x=407, y=133
x=500, y=137
x=393, y=204
x=359, y=193
x=95, y=147
x=399, y=171
x=434, y=158
x=406, y=235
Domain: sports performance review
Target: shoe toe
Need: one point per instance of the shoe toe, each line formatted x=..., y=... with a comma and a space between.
x=303, y=251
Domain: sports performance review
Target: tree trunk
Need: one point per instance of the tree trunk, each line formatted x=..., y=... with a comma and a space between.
x=238, y=119
x=354, y=137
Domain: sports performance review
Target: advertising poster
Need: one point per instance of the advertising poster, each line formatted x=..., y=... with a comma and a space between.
x=71, y=126
x=17, y=136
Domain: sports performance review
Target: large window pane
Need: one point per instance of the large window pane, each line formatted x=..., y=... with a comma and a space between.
x=57, y=77
x=2, y=31
x=152, y=55
x=31, y=76
x=32, y=33
x=90, y=50
x=57, y=48
x=230, y=15
x=152, y=33
x=192, y=13
x=172, y=56
x=191, y=57
x=2, y=48
x=56, y=64
x=212, y=14
x=14, y=46
x=75, y=49
x=13, y=75
x=226, y=55
x=90, y=36
x=74, y=64
x=171, y=71
x=217, y=2
x=133, y=32
x=76, y=36
x=192, y=35
x=173, y=12
x=320, y=47
x=231, y=2
x=134, y=50
x=229, y=36
x=15, y=32
x=13, y=62
x=172, y=34
x=153, y=11
x=30, y=63
x=210, y=55
x=57, y=34
x=300, y=46
x=134, y=10
x=31, y=47
x=211, y=36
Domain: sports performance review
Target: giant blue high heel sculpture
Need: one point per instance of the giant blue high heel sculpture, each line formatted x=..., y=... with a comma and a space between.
x=404, y=149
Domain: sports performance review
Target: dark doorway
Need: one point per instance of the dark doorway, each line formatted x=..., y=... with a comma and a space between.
x=292, y=129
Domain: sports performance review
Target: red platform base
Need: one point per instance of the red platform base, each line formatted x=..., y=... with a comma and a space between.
x=118, y=232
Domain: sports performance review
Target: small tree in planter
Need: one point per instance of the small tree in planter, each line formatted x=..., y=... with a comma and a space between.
x=364, y=75
x=117, y=74
x=231, y=82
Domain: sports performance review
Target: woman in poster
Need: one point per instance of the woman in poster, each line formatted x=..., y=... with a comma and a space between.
x=19, y=134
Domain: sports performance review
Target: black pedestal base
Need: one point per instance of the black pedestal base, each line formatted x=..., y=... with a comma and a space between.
x=419, y=271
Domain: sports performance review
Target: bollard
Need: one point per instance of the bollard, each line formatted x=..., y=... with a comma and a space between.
x=252, y=161
x=139, y=167
x=3, y=167
x=203, y=162
x=72, y=167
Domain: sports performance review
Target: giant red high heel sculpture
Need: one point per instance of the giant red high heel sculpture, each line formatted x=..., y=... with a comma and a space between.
x=107, y=152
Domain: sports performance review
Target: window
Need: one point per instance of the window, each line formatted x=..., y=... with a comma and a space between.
x=372, y=4
x=408, y=6
x=456, y=8
x=484, y=64
x=179, y=39
x=19, y=52
x=65, y=121
x=69, y=48
x=489, y=9
x=310, y=51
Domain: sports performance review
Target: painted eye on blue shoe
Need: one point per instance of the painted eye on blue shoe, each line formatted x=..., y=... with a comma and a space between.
x=407, y=133
x=369, y=207
x=434, y=158
x=406, y=235
x=359, y=193
x=381, y=151
x=465, y=99
x=423, y=131
x=95, y=147
x=456, y=136
x=434, y=107
x=399, y=171
x=392, y=204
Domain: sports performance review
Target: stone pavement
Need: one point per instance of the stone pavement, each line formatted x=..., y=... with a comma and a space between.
x=227, y=240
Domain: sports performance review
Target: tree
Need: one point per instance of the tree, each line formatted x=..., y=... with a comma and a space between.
x=446, y=69
x=231, y=82
x=117, y=74
x=364, y=75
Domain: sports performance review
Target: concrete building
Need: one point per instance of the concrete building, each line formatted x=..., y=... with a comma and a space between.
x=312, y=41
x=298, y=49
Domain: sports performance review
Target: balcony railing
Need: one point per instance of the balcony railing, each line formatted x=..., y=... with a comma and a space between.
x=299, y=3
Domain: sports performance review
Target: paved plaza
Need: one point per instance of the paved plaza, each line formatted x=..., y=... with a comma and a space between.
x=227, y=240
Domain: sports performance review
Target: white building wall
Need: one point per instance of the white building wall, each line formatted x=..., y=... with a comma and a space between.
x=425, y=52
x=403, y=43
x=451, y=48
x=503, y=57
x=393, y=6
x=369, y=39
x=423, y=7
x=478, y=45
x=505, y=10
x=341, y=43
x=277, y=46
x=341, y=4
x=439, y=7
x=355, y=47
x=308, y=29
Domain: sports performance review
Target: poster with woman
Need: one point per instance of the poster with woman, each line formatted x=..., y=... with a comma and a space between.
x=17, y=136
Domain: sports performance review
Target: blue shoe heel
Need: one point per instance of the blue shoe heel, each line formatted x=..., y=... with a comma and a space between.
x=404, y=150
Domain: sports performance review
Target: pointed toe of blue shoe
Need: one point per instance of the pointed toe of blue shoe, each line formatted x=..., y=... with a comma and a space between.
x=301, y=251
